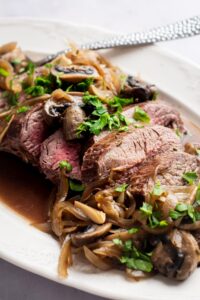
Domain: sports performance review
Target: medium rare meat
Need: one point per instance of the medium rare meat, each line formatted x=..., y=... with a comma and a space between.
x=55, y=149
x=25, y=135
x=167, y=168
x=160, y=114
x=123, y=151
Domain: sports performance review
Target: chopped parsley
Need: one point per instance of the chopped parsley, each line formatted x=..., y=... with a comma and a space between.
x=158, y=190
x=154, y=217
x=65, y=165
x=76, y=186
x=30, y=68
x=132, y=258
x=133, y=230
x=184, y=209
x=82, y=86
x=100, y=118
x=22, y=109
x=121, y=188
x=118, y=103
x=35, y=90
x=4, y=73
x=190, y=177
x=141, y=115
x=16, y=62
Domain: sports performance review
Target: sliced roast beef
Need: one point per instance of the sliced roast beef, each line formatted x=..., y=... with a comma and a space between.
x=55, y=149
x=122, y=151
x=160, y=114
x=167, y=168
x=25, y=135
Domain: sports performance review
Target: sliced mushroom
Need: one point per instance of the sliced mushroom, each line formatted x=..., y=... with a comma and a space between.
x=74, y=116
x=177, y=255
x=91, y=234
x=95, y=215
x=75, y=73
x=53, y=111
x=192, y=148
x=7, y=48
x=138, y=90
x=71, y=97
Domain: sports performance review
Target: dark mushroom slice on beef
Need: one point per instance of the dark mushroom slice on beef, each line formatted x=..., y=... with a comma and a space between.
x=73, y=117
x=75, y=73
x=176, y=255
x=138, y=90
x=53, y=111
x=91, y=234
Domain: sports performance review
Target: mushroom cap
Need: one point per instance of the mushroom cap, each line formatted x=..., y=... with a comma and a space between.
x=75, y=73
x=90, y=234
x=177, y=255
x=73, y=117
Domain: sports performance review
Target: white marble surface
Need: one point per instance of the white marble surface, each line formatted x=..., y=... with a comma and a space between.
x=117, y=15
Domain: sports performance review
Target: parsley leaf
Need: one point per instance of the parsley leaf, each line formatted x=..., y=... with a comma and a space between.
x=133, y=258
x=118, y=103
x=117, y=242
x=184, y=209
x=4, y=73
x=122, y=187
x=153, y=216
x=76, y=186
x=30, y=68
x=22, y=109
x=158, y=190
x=35, y=90
x=141, y=115
x=190, y=177
x=147, y=209
x=133, y=230
x=100, y=118
x=63, y=164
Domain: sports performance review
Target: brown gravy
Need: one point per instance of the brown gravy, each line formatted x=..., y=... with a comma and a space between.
x=26, y=191
x=23, y=188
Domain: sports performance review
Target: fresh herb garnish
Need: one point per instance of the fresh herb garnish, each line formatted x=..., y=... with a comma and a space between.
x=141, y=115
x=35, y=90
x=76, y=186
x=133, y=258
x=4, y=73
x=121, y=188
x=30, y=68
x=63, y=164
x=16, y=62
x=158, y=190
x=12, y=98
x=8, y=118
x=133, y=230
x=100, y=117
x=82, y=86
x=184, y=209
x=152, y=216
x=147, y=209
x=22, y=109
x=190, y=177
x=118, y=103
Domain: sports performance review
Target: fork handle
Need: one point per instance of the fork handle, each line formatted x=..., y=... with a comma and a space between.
x=181, y=29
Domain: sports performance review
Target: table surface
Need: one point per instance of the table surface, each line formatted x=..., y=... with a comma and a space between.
x=116, y=15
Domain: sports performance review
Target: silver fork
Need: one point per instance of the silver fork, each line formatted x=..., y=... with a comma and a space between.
x=181, y=29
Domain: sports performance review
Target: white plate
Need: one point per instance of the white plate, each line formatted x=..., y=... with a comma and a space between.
x=37, y=252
